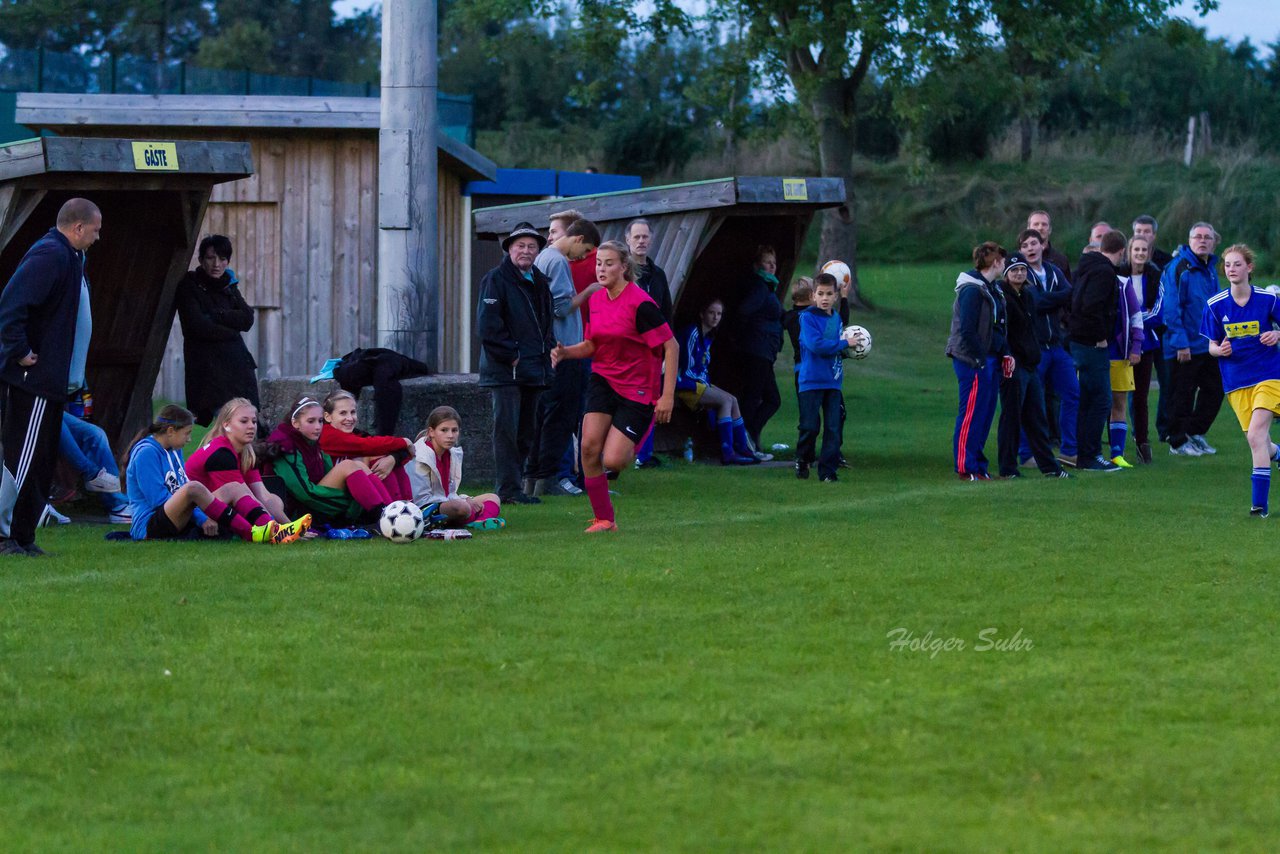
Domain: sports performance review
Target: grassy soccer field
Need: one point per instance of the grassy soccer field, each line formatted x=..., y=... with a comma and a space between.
x=722, y=674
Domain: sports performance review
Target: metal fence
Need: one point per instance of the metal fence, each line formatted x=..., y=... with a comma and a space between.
x=50, y=71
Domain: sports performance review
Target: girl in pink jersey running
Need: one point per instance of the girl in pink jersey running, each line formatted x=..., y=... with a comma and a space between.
x=226, y=456
x=634, y=360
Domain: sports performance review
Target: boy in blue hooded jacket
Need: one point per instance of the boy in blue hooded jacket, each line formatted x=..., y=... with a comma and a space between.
x=822, y=350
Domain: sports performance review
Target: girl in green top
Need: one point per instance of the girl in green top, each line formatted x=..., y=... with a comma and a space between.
x=341, y=493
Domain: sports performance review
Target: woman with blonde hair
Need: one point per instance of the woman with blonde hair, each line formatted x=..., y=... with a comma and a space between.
x=226, y=456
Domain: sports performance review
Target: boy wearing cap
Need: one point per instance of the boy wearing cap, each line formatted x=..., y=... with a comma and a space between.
x=514, y=322
x=1022, y=394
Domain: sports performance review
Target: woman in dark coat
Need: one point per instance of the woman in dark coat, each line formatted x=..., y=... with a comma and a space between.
x=757, y=336
x=213, y=316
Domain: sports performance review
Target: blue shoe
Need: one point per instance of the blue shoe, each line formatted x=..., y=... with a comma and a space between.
x=361, y=534
x=337, y=534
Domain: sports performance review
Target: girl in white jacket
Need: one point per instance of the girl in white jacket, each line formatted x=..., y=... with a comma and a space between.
x=437, y=473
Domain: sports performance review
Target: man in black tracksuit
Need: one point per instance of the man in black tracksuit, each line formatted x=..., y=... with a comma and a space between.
x=1094, y=300
x=514, y=323
x=44, y=343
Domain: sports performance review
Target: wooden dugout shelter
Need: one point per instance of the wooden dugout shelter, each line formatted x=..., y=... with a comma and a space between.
x=305, y=226
x=704, y=233
x=153, y=199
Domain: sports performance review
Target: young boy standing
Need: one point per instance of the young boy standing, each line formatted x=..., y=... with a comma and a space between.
x=821, y=373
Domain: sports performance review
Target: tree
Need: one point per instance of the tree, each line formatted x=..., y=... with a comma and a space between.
x=825, y=50
x=1041, y=37
x=296, y=37
x=157, y=29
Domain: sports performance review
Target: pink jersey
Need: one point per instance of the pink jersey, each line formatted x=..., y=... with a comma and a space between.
x=217, y=464
x=628, y=333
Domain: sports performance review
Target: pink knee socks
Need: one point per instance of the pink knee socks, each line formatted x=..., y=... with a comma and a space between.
x=367, y=490
x=598, y=492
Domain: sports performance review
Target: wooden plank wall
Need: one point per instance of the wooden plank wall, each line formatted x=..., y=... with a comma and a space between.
x=454, y=259
x=304, y=228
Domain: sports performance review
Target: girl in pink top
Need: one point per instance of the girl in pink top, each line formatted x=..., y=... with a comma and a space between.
x=634, y=360
x=226, y=456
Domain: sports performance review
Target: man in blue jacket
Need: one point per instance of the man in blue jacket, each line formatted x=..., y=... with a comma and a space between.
x=1188, y=282
x=514, y=320
x=45, y=327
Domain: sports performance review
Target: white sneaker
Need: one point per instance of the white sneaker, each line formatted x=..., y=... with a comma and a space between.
x=1186, y=449
x=52, y=517
x=103, y=481
x=1202, y=446
x=569, y=486
x=763, y=457
x=121, y=518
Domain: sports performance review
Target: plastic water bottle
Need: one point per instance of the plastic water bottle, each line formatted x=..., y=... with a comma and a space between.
x=688, y=450
x=779, y=446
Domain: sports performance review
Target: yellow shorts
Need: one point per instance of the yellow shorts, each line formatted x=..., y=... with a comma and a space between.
x=1121, y=376
x=1264, y=395
x=693, y=398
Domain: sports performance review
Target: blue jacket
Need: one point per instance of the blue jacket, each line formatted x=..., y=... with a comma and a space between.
x=979, y=321
x=1050, y=300
x=821, y=350
x=153, y=475
x=1187, y=283
x=38, y=311
x=695, y=357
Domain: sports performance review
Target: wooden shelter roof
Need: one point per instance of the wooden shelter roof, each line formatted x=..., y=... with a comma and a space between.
x=744, y=195
x=704, y=232
x=63, y=113
x=153, y=197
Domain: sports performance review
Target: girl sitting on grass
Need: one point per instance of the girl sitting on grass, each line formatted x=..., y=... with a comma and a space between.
x=167, y=506
x=339, y=493
x=226, y=456
x=386, y=456
x=437, y=473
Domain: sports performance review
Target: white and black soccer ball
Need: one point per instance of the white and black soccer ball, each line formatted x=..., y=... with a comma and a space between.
x=401, y=522
x=859, y=341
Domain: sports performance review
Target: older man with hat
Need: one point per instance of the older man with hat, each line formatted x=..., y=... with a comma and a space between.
x=514, y=320
x=1022, y=409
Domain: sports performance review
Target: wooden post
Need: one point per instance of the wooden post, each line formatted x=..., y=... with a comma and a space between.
x=408, y=267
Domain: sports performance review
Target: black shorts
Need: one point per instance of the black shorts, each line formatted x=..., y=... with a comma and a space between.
x=632, y=419
x=161, y=527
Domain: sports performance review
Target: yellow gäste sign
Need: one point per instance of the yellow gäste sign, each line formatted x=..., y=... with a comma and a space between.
x=155, y=156
x=795, y=190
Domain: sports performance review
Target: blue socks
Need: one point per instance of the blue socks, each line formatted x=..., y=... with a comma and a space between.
x=725, y=428
x=1119, y=435
x=740, y=443
x=1261, y=481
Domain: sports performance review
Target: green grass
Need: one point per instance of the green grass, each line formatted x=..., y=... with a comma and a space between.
x=717, y=676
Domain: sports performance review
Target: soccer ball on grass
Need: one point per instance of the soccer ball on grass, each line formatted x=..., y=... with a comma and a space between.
x=401, y=522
